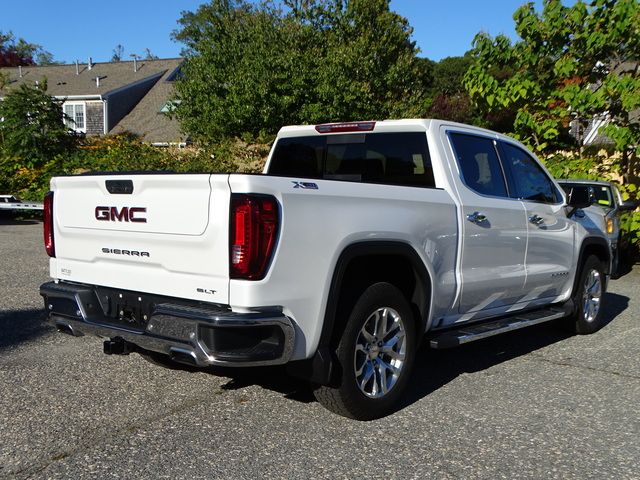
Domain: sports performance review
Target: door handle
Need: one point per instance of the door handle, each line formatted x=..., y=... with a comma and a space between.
x=536, y=219
x=476, y=217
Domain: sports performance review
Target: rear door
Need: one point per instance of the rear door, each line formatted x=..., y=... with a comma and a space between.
x=494, y=230
x=550, y=249
x=163, y=234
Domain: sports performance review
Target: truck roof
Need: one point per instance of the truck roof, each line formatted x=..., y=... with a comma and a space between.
x=381, y=126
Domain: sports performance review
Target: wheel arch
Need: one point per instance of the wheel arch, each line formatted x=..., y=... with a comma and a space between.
x=597, y=246
x=396, y=260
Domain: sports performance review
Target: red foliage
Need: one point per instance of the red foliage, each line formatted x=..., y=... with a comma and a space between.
x=456, y=108
x=557, y=104
x=576, y=80
x=10, y=58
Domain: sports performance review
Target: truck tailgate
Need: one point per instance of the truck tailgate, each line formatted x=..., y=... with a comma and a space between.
x=166, y=234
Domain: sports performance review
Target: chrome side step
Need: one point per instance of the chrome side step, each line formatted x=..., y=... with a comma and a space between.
x=478, y=331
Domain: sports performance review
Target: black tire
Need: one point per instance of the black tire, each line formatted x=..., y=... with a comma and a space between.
x=585, y=320
x=357, y=398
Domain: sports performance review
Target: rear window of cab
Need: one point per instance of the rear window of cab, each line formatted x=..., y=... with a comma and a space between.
x=388, y=158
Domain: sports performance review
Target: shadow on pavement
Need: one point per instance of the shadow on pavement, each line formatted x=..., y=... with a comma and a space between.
x=19, y=218
x=433, y=368
x=16, y=221
x=272, y=378
x=17, y=326
x=613, y=306
x=436, y=368
x=624, y=268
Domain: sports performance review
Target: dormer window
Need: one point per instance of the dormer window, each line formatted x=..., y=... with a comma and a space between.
x=75, y=116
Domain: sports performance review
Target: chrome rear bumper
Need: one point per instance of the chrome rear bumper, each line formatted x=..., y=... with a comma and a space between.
x=192, y=333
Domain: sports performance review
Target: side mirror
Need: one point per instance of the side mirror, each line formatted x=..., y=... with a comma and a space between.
x=628, y=205
x=578, y=198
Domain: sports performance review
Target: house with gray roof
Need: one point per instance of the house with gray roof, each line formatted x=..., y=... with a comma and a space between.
x=589, y=131
x=110, y=97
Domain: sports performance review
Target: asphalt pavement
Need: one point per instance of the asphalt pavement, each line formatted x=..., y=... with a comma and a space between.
x=536, y=403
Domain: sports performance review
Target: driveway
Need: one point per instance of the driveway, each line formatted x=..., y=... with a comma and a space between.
x=530, y=404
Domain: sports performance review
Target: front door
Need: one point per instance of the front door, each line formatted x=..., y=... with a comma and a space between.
x=550, y=249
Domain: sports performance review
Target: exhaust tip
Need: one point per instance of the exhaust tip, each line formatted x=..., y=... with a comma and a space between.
x=183, y=356
x=67, y=328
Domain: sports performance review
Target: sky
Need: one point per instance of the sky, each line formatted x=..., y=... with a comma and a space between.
x=75, y=29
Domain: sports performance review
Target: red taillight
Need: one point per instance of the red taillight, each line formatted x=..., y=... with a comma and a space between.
x=345, y=127
x=49, y=244
x=254, y=221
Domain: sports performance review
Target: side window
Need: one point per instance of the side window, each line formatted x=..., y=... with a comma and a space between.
x=570, y=188
x=602, y=195
x=479, y=164
x=530, y=181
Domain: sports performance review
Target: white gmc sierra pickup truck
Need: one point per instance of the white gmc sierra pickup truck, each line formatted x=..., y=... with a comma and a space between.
x=357, y=242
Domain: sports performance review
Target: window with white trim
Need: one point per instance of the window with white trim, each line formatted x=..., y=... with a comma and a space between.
x=75, y=116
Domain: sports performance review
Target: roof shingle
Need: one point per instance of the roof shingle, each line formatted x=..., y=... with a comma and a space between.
x=62, y=80
x=145, y=119
x=148, y=122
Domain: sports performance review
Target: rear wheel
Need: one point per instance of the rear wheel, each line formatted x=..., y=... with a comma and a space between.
x=375, y=354
x=588, y=297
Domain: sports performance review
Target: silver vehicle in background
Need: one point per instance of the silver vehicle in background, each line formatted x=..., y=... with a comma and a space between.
x=606, y=208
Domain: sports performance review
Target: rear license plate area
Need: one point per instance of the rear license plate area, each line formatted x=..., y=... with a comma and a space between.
x=125, y=309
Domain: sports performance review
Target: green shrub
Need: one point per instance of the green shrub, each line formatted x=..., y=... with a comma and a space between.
x=630, y=222
x=593, y=165
x=32, y=136
x=127, y=153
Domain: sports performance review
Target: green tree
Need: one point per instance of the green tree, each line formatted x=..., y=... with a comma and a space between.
x=448, y=75
x=568, y=63
x=426, y=70
x=235, y=80
x=32, y=133
x=46, y=58
x=252, y=68
x=449, y=99
x=370, y=68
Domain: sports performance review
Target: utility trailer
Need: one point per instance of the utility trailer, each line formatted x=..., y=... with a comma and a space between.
x=12, y=203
